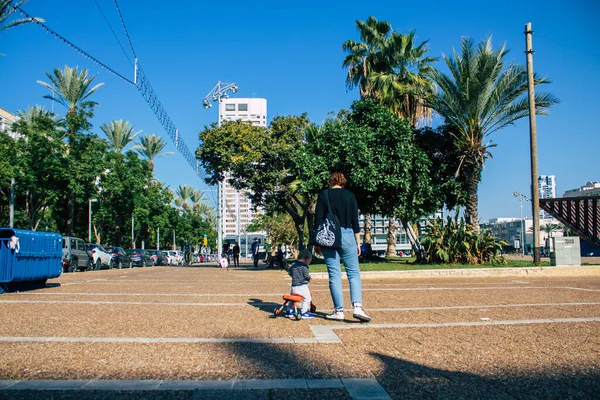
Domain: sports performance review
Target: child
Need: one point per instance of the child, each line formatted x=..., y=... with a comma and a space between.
x=223, y=262
x=300, y=278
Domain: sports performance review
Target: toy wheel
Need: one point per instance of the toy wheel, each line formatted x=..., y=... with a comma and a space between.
x=297, y=315
x=277, y=311
x=313, y=308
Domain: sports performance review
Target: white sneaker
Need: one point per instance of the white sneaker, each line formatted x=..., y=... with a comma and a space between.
x=359, y=313
x=338, y=314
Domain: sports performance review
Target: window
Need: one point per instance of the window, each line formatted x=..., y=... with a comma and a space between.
x=243, y=107
x=229, y=107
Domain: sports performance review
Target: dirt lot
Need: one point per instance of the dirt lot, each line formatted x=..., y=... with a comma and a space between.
x=519, y=337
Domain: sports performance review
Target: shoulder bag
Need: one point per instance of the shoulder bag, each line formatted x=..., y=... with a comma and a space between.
x=328, y=232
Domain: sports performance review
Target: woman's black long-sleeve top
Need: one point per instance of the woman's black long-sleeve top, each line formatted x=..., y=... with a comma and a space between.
x=344, y=206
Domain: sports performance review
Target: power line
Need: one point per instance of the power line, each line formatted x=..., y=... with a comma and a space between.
x=113, y=32
x=125, y=28
x=75, y=47
x=142, y=83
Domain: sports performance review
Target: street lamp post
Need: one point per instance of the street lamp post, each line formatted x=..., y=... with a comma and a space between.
x=521, y=197
x=218, y=93
x=90, y=217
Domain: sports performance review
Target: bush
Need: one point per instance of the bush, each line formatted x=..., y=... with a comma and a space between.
x=452, y=241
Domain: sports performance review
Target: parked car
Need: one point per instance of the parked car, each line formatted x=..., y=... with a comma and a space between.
x=139, y=258
x=100, y=256
x=158, y=257
x=176, y=257
x=75, y=255
x=166, y=254
x=120, y=258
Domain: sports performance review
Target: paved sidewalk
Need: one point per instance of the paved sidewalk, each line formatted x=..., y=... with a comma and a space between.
x=205, y=332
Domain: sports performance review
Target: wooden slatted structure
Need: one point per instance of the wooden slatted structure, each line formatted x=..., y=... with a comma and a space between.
x=581, y=214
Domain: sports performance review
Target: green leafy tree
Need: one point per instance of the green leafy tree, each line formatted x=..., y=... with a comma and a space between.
x=120, y=134
x=389, y=67
x=376, y=151
x=478, y=97
x=42, y=177
x=261, y=161
x=122, y=185
x=279, y=226
x=151, y=147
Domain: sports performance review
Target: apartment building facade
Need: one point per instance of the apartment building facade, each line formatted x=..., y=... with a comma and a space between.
x=546, y=190
x=237, y=210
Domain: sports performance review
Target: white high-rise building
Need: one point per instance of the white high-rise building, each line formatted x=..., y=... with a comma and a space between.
x=236, y=208
x=546, y=190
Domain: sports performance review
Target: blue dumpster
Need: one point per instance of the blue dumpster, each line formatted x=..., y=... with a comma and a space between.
x=29, y=256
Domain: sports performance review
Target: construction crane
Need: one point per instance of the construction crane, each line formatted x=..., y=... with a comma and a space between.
x=217, y=94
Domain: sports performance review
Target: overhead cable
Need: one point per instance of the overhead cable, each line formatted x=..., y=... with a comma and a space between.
x=72, y=45
x=125, y=29
x=113, y=32
x=143, y=85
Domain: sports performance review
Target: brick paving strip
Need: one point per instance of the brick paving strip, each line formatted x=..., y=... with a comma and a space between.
x=322, y=333
x=358, y=388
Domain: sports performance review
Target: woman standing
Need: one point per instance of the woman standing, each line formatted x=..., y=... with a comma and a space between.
x=343, y=204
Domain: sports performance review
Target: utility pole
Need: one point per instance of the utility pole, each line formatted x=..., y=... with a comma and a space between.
x=11, y=223
x=132, y=237
x=535, y=202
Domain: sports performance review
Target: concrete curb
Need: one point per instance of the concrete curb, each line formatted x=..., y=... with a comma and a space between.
x=358, y=388
x=557, y=271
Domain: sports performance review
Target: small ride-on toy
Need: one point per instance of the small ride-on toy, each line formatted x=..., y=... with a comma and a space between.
x=293, y=300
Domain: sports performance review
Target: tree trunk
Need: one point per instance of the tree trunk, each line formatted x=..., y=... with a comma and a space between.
x=391, y=237
x=413, y=238
x=368, y=228
x=299, y=225
x=70, y=212
x=472, y=183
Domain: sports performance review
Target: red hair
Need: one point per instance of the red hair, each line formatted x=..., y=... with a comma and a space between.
x=337, y=179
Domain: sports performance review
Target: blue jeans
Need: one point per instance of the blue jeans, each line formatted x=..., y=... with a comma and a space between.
x=349, y=256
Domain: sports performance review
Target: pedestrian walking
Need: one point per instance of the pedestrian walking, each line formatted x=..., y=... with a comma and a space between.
x=236, y=255
x=255, y=248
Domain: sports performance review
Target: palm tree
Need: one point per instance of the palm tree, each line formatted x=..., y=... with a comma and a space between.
x=184, y=192
x=386, y=65
x=119, y=134
x=405, y=84
x=478, y=98
x=72, y=89
x=178, y=203
x=197, y=198
x=365, y=57
x=7, y=8
x=150, y=147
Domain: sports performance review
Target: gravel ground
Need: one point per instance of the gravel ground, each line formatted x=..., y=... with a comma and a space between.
x=526, y=360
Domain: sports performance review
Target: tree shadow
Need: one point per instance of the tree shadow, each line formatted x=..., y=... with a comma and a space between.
x=404, y=379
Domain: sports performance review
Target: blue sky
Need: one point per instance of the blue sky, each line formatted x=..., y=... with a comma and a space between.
x=290, y=54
